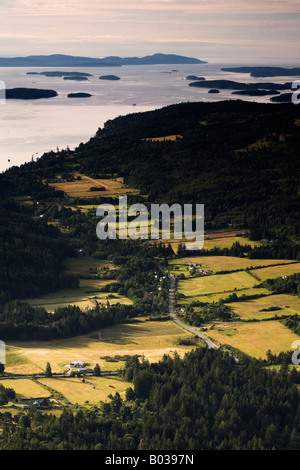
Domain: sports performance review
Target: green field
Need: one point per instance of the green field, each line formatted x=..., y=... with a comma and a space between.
x=91, y=391
x=26, y=388
x=217, y=283
x=208, y=298
x=276, y=271
x=84, y=296
x=256, y=308
x=255, y=338
x=221, y=263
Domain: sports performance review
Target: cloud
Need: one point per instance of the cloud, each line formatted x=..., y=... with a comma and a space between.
x=113, y=23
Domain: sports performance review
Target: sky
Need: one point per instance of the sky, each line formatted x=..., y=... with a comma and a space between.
x=206, y=29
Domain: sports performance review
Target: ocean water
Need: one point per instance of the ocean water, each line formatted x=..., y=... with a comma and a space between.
x=30, y=128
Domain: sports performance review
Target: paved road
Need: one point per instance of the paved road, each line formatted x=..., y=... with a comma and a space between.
x=192, y=329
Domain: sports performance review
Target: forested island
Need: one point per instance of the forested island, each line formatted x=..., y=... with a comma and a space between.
x=265, y=71
x=233, y=85
x=109, y=77
x=79, y=95
x=29, y=94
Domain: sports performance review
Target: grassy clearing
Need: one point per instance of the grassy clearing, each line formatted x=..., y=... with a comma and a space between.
x=217, y=283
x=85, y=296
x=277, y=271
x=84, y=265
x=26, y=388
x=255, y=309
x=162, y=139
x=90, y=391
x=150, y=338
x=81, y=187
x=255, y=338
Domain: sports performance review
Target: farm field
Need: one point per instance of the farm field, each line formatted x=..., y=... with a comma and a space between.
x=273, y=272
x=81, y=187
x=255, y=338
x=84, y=265
x=208, y=298
x=252, y=309
x=84, y=296
x=26, y=388
x=216, y=283
x=222, y=263
x=91, y=391
x=221, y=241
x=149, y=338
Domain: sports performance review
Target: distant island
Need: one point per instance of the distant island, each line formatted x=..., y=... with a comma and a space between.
x=214, y=91
x=79, y=95
x=194, y=77
x=255, y=92
x=59, y=73
x=232, y=85
x=265, y=71
x=29, y=94
x=58, y=60
x=77, y=78
x=109, y=77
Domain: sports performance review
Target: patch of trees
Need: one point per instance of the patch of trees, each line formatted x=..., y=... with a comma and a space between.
x=21, y=321
x=6, y=394
x=284, y=285
x=293, y=323
x=197, y=313
x=205, y=401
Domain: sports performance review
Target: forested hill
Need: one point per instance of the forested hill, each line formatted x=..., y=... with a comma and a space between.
x=240, y=159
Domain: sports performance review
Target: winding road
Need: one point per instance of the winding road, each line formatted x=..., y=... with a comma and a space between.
x=191, y=329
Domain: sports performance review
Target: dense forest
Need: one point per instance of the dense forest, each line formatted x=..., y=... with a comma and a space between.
x=205, y=401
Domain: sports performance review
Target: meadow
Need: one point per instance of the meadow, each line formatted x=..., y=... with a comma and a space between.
x=273, y=272
x=91, y=391
x=80, y=187
x=152, y=339
x=254, y=338
x=267, y=307
x=228, y=263
x=216, y=283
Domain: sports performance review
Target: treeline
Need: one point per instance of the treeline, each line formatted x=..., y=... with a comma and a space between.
x=281, y=248
x=284, y=285
x=205, y=401
x=21, y=321
x=293, y=323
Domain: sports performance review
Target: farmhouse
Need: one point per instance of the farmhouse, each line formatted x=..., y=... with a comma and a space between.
x=77, y=364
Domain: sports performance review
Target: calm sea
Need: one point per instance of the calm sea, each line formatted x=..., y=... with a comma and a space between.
x=30, y=128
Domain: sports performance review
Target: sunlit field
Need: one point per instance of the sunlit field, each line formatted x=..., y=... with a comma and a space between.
x=152, y=339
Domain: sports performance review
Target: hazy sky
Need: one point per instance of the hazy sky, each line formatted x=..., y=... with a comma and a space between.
x=199, y=28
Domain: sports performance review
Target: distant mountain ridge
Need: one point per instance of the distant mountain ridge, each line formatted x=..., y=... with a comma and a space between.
x=56, y=60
